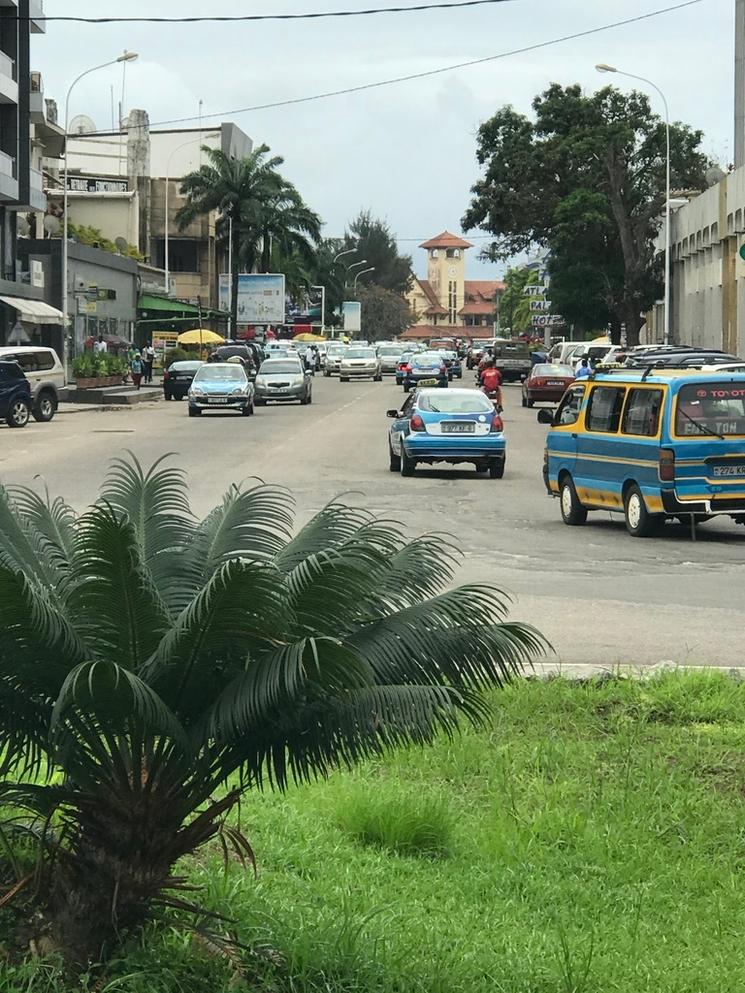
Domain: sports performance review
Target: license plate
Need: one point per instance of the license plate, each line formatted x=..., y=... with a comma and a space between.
x=216, y=401
x=466, y=427
x=555, y=382
x=427, y=382
x=729, y=470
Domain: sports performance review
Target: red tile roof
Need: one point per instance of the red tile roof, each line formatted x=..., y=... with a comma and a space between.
x=434, y=305
x=480, y=295
x=417, y=331
x=446, y=240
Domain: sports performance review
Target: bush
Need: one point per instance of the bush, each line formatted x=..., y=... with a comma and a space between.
x=91, y=365
x=406, y=825
x=176, y=355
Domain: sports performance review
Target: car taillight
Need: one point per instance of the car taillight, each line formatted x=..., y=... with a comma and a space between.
x=667, y=465
x=416, y=423
x=166, y=375
x=443, y=369
x=538, y=381
x=406, y=368
x=497, y=423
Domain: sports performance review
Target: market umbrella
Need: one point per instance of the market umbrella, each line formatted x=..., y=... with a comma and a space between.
x=200, y=337
x=309, y=337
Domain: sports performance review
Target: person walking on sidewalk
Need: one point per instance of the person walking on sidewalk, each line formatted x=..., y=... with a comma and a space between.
x=148, y=358
x=135, y=367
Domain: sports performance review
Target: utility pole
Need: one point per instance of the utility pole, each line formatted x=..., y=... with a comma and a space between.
x=739, y=83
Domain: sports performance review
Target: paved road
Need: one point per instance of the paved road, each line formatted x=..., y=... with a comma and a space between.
x=599, y=595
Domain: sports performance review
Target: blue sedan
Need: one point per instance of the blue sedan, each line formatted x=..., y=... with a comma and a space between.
x=427, y=369
x=457, y=426
x=221, y=386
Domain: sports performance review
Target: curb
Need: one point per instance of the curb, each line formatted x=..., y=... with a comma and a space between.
x=575, y=671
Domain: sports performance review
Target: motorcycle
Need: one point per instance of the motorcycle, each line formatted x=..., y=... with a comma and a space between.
x=495, y=396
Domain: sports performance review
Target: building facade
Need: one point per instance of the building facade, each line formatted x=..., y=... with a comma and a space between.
x=446, y=302
x=24, y=132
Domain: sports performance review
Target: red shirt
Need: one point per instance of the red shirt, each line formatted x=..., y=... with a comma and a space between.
x=491, y=379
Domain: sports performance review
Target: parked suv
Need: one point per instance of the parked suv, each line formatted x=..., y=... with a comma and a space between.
x=15, y=395
x=45, y=374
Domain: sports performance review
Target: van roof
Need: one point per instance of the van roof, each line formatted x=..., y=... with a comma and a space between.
x=661, y=376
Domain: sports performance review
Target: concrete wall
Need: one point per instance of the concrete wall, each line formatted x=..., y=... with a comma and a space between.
x=115, y=215
x=708, y=294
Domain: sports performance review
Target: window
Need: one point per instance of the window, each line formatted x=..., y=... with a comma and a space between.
x=453, y=301
x=26, y=360
x=9, y=372
x=604, y=408
x=453, y=253
x=183, y=254
x=710, y=409
x=570, y=406
x=642, y=414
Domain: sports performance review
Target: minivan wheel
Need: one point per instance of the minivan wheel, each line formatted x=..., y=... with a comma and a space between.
x=46, y=407
x=639, y=522
x=572, y=511
x=18, y=414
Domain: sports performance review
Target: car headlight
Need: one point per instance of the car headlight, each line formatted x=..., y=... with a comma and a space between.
x=240, y=391
x=260, y=381
x=298, y=381
x=197, y=391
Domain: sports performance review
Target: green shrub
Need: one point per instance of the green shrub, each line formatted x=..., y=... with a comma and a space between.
x=94, y=365
x=406, y=825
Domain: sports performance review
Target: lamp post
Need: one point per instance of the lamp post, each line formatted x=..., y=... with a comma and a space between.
x=349, y=251
x=354, y=265
x=124, y=57
x=603, y=67
x=362, y=273
x=167, y=261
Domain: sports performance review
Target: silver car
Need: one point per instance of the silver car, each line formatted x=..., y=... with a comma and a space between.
x=389, y=355
x=283, y=380
x=334, y=354
x=360, y=363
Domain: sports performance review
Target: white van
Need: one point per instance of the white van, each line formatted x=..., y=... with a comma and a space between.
x=562, y=353
x=45, y=373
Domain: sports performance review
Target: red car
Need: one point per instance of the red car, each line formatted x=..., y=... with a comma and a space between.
x=546, y=384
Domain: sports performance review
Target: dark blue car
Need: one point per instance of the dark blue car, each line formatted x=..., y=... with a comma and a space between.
x=426, y=369
x=15, y=395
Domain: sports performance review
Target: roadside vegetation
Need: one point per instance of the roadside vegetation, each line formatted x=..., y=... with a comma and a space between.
x=589, y=840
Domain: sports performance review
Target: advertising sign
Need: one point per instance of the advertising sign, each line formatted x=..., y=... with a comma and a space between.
x=309, y=309
x=261, y=297
x=546, y=320
x=534, y=291
x=540, y=305
x=352, y=314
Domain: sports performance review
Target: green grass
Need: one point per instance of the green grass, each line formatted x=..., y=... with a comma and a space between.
x=591, y=841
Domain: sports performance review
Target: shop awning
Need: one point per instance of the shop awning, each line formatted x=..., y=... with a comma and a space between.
x=165, y=305
x=34, y=311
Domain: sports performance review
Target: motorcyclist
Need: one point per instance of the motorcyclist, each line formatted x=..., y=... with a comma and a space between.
x=490, y=381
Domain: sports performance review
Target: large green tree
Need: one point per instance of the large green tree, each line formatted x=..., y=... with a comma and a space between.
x=256, y=206
x=514, y=305
x=385, y=314
x=155, y=668
x=583, y=163
x=373, y=240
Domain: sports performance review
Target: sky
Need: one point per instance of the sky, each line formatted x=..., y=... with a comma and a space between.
x=406, y=151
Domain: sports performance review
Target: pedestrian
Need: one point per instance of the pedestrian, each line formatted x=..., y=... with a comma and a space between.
x=148, y=358
x=100, y=346
x=583, y=370
x=135, y=367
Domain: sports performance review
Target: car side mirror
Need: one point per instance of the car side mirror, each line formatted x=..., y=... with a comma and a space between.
x=394, y=413
x=546, y=416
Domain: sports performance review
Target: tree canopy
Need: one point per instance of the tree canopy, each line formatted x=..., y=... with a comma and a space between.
x=385, y=314
x=374, y=241
x=585, y=179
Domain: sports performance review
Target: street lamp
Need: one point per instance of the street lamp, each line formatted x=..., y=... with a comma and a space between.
x=124, y=57
x=349, y=251
x=603, y=67
x=362, y=273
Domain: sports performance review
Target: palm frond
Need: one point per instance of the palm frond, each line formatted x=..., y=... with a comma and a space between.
x=53, y=519
x=122, y=617
x=330, y=527
x=238, y=611
x=24, y=729
x=156, y=503
x=22, y=546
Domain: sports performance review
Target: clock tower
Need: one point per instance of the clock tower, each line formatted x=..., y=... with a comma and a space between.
x=446, y=272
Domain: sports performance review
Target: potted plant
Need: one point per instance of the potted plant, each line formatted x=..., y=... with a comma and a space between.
x=97, y=371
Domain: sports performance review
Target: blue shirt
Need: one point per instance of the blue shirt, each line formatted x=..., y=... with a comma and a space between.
x=583, y=372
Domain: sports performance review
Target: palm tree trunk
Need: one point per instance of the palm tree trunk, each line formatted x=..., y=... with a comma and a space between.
x=234, y=280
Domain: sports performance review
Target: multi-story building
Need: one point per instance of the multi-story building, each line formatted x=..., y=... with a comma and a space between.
x=26, y=134
x=446, y=303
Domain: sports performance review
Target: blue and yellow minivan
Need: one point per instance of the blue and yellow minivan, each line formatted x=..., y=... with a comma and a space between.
x=649, y=444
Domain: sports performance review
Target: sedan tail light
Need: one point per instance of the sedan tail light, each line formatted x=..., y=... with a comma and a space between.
x=166, y=375
x=538, y=381
x=497, y=424
x=416, y=423
x=443, y=370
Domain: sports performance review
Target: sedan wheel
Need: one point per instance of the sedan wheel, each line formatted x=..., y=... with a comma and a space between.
x=408, y=465
x=46, y=407
x=496, y=469
x=18, y=414
x=395, y=460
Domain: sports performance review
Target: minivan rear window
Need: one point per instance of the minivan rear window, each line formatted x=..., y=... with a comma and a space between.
x=642, y=414
x=710, y=409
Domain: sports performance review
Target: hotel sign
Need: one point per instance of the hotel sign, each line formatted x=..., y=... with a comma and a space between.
x=91, y=184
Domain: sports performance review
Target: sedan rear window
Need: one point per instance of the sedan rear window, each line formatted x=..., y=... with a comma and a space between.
x=562, y=371
x=360, y=353
x=220, y=373
x=280, y=366
x=455, y=403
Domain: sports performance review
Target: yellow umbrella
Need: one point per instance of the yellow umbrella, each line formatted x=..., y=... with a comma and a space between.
x=309, y=337
x=200, y=337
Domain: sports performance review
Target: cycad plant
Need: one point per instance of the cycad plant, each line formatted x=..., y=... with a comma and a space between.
x=155, y=668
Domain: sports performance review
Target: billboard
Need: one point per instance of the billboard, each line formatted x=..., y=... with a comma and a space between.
x=261, y=297
x=308, y=308
x=352, y=313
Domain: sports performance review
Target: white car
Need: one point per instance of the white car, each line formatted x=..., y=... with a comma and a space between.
x=334, y=355
x=727, y=367
x=45, y=373
x=360, y=363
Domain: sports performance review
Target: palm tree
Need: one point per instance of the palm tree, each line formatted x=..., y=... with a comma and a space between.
x=237, y=189
x=153, y=668
x=289, y=228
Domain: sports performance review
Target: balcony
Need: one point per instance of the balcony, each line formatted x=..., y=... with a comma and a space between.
x=36, y=16
x=37, y=110
x=8, y=179
x=37, y=196
x=8, y=83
